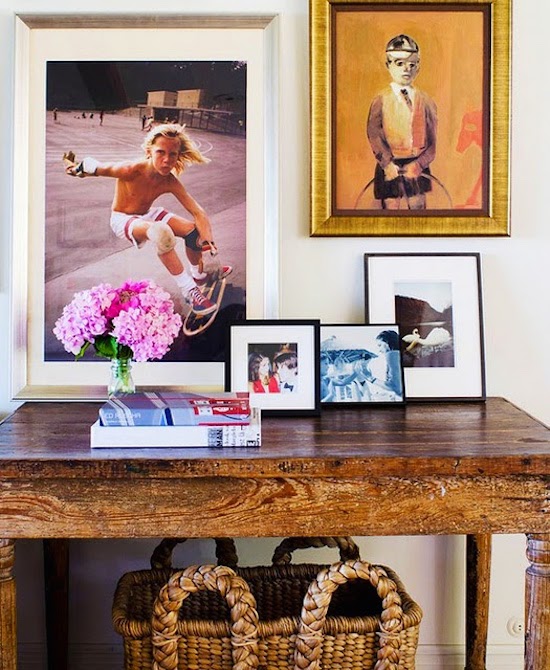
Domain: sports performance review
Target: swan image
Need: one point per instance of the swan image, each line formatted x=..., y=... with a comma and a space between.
x=435, y=338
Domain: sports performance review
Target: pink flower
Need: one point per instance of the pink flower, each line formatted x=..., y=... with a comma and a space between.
x=138, y=315
x=83, y=318
x=126, y=297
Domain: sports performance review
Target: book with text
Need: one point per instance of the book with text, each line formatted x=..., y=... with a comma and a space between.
x=172, y=408
x=233, y=435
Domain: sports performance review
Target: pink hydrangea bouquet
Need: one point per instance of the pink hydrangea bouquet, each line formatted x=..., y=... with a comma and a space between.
x=135, y=321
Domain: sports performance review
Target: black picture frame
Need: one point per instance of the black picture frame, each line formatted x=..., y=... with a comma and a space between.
x=436, y=298
x=282, y=353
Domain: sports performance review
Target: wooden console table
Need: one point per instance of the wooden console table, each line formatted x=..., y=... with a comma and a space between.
x=449, y=468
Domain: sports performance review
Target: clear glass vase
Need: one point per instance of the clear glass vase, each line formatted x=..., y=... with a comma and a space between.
x=121, y=381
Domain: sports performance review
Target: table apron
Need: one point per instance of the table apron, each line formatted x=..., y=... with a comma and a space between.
x=273, y=507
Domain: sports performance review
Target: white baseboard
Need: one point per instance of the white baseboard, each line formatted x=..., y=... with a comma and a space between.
x=451, y=657
x=428, y=657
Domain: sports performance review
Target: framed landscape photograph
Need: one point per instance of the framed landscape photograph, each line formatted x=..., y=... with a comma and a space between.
x=209, y=77
x=437, y=301
x=277, y=361
x=410, y=117
x=361, y=365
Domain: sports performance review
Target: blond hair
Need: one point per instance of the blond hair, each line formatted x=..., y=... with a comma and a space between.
x=188, y=151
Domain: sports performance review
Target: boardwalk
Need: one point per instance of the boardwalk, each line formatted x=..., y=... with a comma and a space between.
x=81, y=249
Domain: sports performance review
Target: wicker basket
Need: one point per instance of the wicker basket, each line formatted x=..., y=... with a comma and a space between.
x=271, y=617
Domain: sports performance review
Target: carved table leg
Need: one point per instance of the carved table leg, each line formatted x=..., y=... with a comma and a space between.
x=8, y=639
x=56, y=581
x=537, y=603
x=478, y=577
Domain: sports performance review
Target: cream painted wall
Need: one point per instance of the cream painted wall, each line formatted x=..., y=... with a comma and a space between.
x=517, y=320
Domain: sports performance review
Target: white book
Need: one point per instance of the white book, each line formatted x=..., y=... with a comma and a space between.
x=244, y=435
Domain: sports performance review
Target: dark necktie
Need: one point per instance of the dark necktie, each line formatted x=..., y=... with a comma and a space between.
x=407, y=97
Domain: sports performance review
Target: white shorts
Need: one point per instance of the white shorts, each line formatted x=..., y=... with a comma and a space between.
x=122, y=224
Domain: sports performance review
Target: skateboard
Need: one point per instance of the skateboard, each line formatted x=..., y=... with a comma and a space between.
x=194, y=324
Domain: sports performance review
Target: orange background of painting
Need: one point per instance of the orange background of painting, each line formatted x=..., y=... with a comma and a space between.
x=451, y=52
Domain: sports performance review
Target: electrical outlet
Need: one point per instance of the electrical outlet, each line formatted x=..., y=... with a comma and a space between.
x=515, y=626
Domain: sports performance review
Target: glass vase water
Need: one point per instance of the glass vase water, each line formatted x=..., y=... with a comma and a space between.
x=121, y=380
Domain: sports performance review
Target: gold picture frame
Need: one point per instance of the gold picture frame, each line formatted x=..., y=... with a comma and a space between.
x=470, y=192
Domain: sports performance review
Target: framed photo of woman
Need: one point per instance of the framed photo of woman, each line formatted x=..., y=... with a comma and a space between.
x=361, y=364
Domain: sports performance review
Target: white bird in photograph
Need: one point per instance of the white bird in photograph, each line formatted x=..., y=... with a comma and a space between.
x=436, y=337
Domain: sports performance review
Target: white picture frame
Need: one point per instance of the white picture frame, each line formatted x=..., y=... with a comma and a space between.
x=40, y=38
x=444, y=359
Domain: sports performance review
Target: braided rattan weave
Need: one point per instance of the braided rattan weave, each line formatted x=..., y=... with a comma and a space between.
x=270, y=617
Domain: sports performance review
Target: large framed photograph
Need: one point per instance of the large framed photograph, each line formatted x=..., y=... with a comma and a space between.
x=277, y=361
x=410, y=117
x=361, y=364
x=437, y=301
x=97, y=90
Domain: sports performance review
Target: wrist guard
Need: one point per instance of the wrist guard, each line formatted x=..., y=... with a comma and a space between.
x=87, y=167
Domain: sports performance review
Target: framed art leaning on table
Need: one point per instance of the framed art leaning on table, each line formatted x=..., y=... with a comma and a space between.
x=437, y=301
x=410, y=116
x=212, y=76
x=277, y=361
x=361, y=364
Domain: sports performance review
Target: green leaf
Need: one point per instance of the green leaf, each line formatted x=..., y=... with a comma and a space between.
x=82, y=351
x=106, y=345
x=124, y=351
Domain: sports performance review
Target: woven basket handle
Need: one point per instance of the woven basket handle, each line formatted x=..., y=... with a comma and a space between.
x=307, y=652
x=226, y=552
x=244, y=616
x=349, y=551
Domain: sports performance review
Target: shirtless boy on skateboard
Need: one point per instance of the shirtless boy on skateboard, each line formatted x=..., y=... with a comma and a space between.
x=168, y=150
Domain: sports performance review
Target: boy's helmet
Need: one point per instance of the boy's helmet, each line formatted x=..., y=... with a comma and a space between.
x=402, y=43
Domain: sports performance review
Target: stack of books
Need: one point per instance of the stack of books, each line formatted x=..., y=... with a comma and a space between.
x=171, y=419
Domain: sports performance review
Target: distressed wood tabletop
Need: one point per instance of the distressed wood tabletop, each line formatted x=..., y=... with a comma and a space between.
x=414, y=469
x=425, y=468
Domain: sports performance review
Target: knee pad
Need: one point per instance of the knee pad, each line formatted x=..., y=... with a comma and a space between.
x=162, y=236
x=191, y=240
